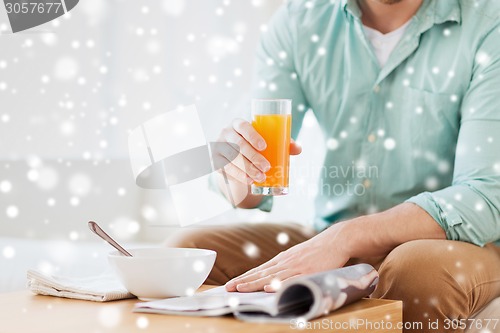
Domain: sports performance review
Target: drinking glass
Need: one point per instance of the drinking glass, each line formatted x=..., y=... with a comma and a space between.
x=272, y=119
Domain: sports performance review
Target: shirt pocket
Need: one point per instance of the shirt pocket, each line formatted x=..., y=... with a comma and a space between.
x=434, y=121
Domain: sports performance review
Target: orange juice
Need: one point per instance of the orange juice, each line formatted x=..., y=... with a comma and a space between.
x=275, y=129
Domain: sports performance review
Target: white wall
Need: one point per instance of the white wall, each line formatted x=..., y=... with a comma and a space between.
x=72, y=89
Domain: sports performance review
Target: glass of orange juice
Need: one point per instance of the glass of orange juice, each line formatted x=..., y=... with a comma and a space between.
x=272, y=119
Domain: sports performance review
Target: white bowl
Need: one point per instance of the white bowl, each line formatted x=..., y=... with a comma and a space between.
x=153, y=273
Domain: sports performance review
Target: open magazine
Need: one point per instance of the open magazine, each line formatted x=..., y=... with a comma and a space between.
x=307, y=297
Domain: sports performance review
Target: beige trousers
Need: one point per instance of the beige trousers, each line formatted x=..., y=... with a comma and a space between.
x=437, y=280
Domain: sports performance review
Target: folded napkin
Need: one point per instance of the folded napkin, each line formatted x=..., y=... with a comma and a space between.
x=100, y=288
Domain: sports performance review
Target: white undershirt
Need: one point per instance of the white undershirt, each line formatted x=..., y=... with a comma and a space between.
x=384, y=44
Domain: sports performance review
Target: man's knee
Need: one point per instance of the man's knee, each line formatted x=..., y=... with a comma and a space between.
x=421, y=275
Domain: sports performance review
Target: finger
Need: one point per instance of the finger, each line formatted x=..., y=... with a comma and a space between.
x=231, y=284
x=266, y=265
x=248, y=169
x=271, y=279
x=295, y=148
x=236, y=173
x=230, y=178
x=258, y=274
x=248, y=151
x=254, y=270
x=260, y=271
x=257, y=282
x=223, y=153
x=226, y=153
x=274, y=287
x=246, y=130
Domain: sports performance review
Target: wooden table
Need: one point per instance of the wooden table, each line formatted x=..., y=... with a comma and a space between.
x=28, y=313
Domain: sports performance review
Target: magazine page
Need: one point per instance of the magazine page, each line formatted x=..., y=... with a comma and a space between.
x=306, y=297
x=312, y=296
x=214, y=302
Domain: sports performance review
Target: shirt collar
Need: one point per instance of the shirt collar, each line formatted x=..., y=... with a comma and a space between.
x=445, y=11
x=440, y=11
x=351, y=7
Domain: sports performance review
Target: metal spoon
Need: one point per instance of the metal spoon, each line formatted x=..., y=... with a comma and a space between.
x=96, y=229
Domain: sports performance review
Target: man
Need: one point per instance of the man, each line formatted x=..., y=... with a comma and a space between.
x=412, y=88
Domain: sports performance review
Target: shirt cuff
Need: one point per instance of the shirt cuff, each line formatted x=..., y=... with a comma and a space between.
x=266, y=203
x=447, y=218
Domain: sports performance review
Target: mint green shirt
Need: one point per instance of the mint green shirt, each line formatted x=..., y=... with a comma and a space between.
x=424, y=129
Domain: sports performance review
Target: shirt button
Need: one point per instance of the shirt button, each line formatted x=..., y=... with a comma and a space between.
x=376, y=89
x=367, y=183
x=372, y=138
